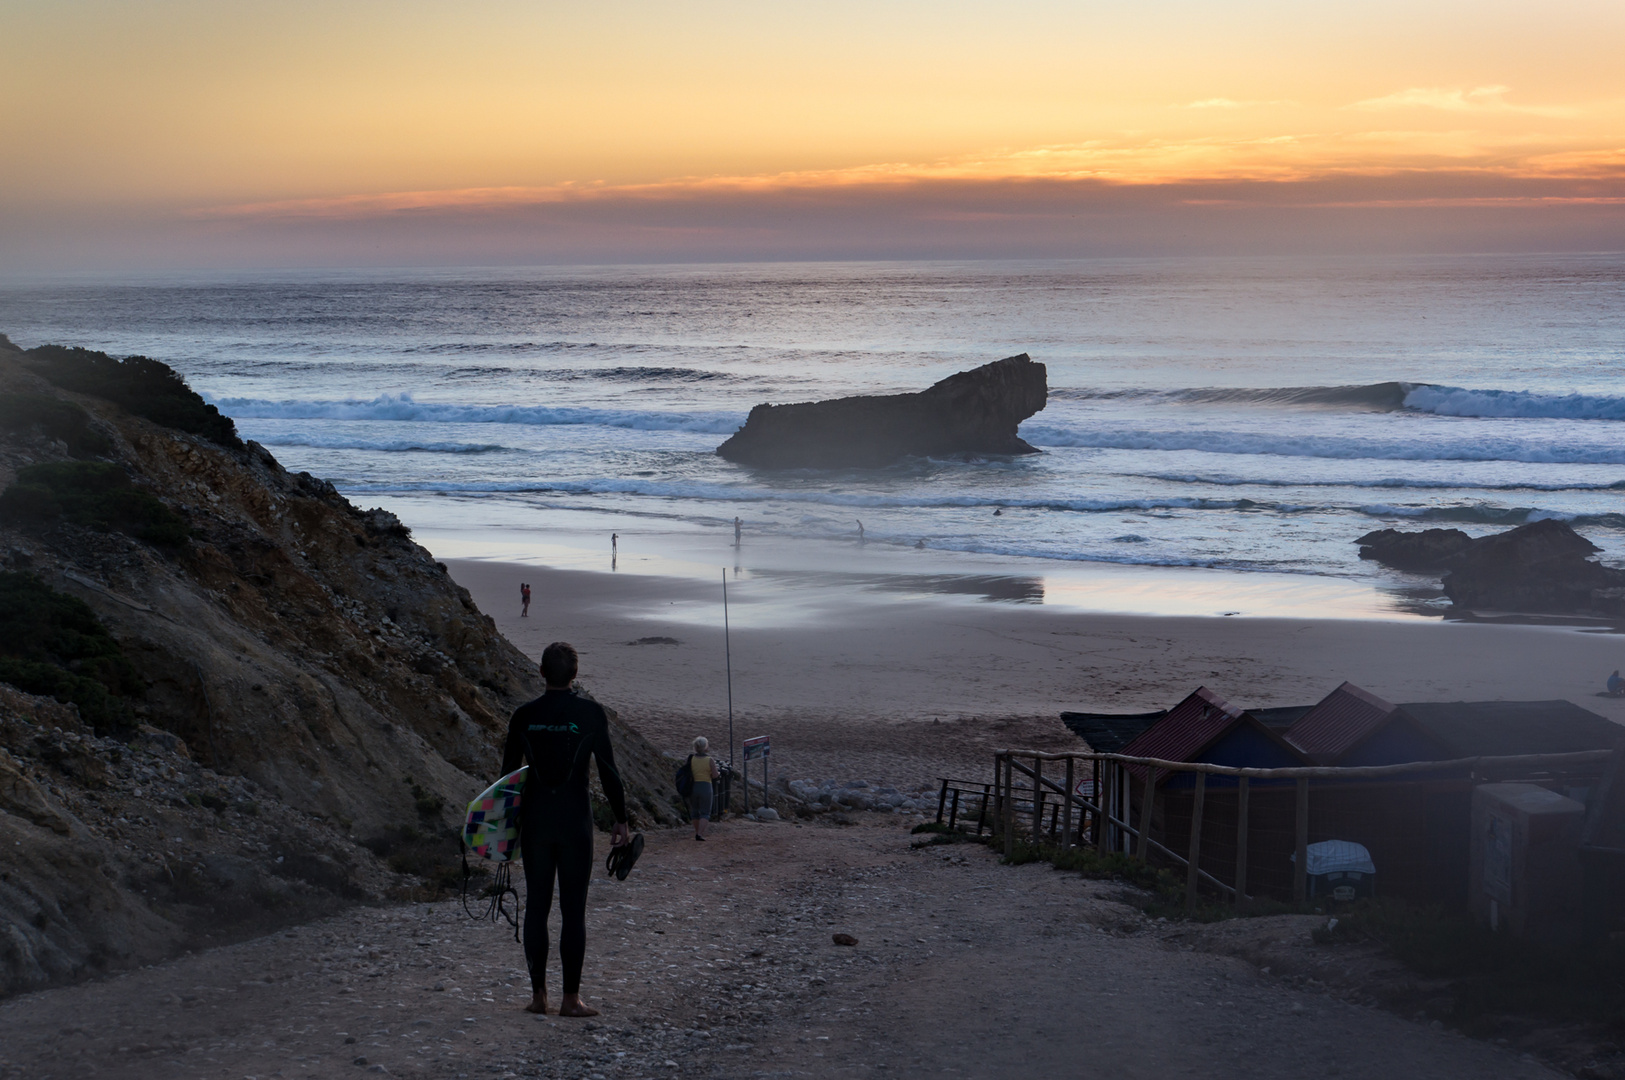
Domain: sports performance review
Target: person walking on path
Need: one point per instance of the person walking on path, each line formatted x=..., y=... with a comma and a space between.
x=703, y=767
x=554, y=735
x=524, y=604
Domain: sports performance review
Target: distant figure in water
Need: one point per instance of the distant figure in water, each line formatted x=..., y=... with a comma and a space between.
x=998, y=513
x=1616, y=685
x=920, y=543
x=860, y=530
x=738, y=525
x=524, y=600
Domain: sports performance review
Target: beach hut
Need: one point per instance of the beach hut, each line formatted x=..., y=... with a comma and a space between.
x=1351, y=726
x=1205, y=727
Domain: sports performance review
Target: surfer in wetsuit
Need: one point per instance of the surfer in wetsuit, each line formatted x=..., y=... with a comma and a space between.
x=554, y=735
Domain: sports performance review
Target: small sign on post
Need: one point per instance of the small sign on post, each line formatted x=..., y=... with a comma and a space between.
x=758, y=749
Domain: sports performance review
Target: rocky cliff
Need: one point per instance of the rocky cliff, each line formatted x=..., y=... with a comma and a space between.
x=973, y=412
x=248, y=698
x=1544, y=566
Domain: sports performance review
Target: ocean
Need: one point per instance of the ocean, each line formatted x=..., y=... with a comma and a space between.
x=1242, y=415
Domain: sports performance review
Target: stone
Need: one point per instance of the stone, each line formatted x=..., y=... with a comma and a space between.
x=1544, y=566
x=1425, y=550
x=767, y=813
x=972, y=412
x=844, y=939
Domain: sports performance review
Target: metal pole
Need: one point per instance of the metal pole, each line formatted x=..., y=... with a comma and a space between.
x=727, y=652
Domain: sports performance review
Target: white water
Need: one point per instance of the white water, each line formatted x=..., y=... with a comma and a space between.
x=1253, y=415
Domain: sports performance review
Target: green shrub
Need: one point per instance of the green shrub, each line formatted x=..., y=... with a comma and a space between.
x=53, y=644
x=95, y=494
x=55, y=418
x=139, y=384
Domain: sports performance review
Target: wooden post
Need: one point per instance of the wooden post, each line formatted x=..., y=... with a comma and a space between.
x=1145, y=812
x=1108, y=831
x=1038, y=799
x=981, y=813
x=941, y=799
x=953, y=813
x=1100, y=801
x=1242, y=787
x=1191, y=878
x=1010, y=807
x=1066, y=803
x=1300, y=869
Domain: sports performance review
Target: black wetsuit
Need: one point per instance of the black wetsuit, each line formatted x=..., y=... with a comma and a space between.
x=554, y=735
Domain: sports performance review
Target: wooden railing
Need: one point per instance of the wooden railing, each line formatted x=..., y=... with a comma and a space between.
x=948, y=801
x=1103, y=818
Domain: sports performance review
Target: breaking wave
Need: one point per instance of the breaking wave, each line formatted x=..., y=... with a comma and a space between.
x=1520, y=404
x=1284, y=445
x=1394, y=482
x=1382, y=397
x=334, y=442
x=723, y=493
x=402, y=407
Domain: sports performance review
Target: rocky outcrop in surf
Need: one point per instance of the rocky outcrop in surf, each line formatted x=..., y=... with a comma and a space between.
x=235, y=698
x=973, y=412
x=1544, y=566
x=1418, y=551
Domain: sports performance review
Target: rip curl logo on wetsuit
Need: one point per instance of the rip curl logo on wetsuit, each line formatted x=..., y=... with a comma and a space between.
x=556, y=728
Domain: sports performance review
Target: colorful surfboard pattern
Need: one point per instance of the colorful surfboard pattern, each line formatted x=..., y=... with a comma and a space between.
x=491, y=830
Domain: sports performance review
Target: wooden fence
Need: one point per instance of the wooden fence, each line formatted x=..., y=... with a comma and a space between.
x=1102, y=817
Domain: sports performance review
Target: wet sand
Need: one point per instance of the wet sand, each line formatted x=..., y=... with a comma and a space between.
x=878, y=676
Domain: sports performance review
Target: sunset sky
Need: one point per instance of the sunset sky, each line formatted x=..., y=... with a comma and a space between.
x=349, y=133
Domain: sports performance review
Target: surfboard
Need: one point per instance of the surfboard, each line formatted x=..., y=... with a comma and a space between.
x=491, y=829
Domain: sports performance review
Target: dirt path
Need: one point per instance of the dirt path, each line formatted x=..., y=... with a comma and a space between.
x=716, y=960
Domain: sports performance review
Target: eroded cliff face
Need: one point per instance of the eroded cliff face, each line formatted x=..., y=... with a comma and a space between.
x=972, y=412
x=299, y=654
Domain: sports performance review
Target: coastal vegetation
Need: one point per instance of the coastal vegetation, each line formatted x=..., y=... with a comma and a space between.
x=54, y=645
x=94, y=494
x=146, y=387
x=53, y=418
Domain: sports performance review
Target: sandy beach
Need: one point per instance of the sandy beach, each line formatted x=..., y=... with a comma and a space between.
x=880, y=678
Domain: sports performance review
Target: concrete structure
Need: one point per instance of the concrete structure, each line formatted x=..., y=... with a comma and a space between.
x=1525, y=875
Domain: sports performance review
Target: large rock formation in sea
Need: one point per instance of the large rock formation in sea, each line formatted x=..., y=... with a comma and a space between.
x=235, y=698
x=1416, y=551
x=1544, y=566
x=973, y=412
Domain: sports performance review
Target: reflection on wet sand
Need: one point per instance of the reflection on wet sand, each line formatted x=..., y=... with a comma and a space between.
x=990, y=587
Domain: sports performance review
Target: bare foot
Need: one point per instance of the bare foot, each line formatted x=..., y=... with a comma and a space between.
x=573, y=1006
x=538, y=1004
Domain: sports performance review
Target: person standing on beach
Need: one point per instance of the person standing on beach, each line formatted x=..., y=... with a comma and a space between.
x=860, y=530
x=524, y=603
x=703, y=767
x=614, y=544
x=554, y=735
x=738, y=525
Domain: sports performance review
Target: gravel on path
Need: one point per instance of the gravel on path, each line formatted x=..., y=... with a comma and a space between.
x=717, y=960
